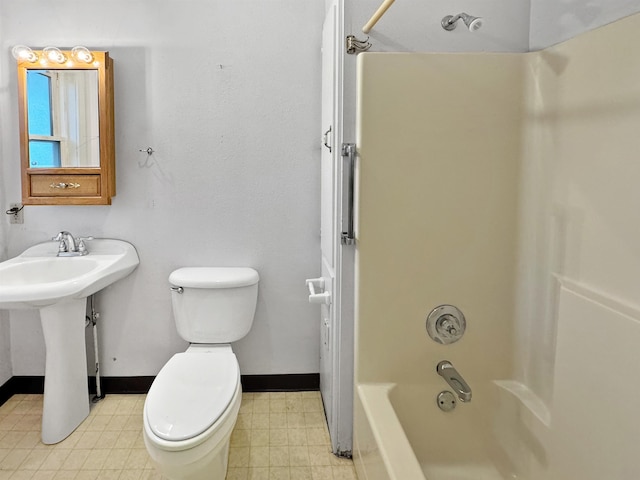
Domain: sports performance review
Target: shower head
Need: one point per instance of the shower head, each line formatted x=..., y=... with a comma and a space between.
x=473, y=23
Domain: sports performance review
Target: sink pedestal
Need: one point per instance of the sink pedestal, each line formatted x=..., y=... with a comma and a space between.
x=66, y=389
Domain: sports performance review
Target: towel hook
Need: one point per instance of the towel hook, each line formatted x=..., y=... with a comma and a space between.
x=148, y=150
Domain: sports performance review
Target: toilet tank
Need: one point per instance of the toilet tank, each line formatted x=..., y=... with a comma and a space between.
x=214, y=304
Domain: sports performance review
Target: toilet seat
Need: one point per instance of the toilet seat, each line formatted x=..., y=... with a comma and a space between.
x=191, y=392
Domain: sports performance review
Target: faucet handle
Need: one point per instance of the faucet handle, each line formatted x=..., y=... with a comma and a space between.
x=82, y=248
x=62, y=247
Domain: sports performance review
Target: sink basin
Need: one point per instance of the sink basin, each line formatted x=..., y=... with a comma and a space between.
x=58, y=287
x=43, y=271
x=38, y=278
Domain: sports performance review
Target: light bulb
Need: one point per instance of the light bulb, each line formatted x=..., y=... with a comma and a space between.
x=22, y=52
x=54, y=55
x=82, y=54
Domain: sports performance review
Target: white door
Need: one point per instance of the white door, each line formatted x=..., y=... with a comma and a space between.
x=336, y=349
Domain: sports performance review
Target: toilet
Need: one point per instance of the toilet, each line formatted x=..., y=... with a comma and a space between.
x=193, y=403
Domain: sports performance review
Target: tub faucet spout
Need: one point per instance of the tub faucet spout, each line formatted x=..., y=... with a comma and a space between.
x=446, y=370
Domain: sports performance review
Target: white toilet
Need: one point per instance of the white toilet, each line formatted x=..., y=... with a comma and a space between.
x=193, y=403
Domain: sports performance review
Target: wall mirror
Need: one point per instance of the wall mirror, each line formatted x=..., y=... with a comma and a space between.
x=67, y=144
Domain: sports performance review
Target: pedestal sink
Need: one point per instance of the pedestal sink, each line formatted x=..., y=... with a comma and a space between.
x=59, y=287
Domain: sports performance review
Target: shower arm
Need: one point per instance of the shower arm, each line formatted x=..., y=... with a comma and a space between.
x=452, y=20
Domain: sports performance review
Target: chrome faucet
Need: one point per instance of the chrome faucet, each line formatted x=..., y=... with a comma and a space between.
x=446, y=370
x=69, y=246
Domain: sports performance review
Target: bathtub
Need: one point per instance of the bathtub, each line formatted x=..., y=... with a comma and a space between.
x=401, y=434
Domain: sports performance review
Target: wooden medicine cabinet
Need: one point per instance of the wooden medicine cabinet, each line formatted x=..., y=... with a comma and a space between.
x=67, y=144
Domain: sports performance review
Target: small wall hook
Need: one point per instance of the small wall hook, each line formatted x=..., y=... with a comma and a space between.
x=356, y=46
x=147, y=161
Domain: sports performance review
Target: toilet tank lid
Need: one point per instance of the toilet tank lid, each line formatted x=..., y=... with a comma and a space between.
x=214, y=277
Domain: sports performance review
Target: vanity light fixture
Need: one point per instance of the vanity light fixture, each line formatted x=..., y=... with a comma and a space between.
x=22, y=52
x=79, y=54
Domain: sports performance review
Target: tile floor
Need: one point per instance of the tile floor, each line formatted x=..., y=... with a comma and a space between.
x=277, y=436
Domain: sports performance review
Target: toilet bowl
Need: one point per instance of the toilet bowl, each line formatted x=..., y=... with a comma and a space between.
x=190, y=412
x=193, y=403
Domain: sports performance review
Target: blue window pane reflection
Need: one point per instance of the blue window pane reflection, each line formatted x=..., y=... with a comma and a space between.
x=44, y=153
x=39, y=104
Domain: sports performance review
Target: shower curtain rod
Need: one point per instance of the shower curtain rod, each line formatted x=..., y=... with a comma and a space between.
x=376, y=16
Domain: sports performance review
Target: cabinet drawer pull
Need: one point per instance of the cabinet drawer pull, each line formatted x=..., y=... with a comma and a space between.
x=64, y=185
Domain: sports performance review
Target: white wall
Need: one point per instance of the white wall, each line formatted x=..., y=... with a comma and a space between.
x=517, y=26
x=228, y=95
x=5, y=344
x=553, y=21
x=414, y=26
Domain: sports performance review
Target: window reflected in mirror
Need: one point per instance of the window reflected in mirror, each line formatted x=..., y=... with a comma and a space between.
x=63, y=118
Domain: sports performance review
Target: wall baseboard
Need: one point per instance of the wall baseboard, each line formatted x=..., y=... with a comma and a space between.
x=7, y=390
x=122, y=384
x=293, y=382
x=112, y=385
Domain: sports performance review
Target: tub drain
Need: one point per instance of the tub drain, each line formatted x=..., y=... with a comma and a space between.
x=446, y=401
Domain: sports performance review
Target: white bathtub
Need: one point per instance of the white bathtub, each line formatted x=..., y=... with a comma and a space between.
x=401, y=434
